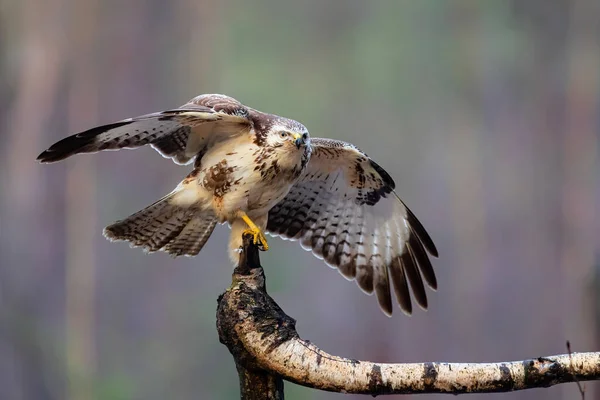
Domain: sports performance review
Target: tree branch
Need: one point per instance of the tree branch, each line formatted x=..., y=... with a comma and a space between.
x=266, y=348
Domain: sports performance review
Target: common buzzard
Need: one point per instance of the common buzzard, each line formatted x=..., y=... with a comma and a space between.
x=259, y=173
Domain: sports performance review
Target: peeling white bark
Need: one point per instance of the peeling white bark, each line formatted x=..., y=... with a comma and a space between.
x=304, y=363
x=263, y=339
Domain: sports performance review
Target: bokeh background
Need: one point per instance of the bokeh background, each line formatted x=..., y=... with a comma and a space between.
x=486, y=113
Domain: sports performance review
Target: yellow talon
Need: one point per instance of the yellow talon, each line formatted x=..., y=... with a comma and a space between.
x=259, y=237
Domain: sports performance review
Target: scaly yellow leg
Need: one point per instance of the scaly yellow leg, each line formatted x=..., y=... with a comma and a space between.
x=259, y=237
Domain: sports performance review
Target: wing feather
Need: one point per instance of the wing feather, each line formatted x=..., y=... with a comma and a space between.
x=344, y=209
x=179, y=134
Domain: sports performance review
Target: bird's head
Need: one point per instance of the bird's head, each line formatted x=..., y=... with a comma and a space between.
x=289, y=135
x=289, y=141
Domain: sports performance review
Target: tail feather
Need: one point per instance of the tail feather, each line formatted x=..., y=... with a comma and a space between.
x=192, y=238
x=168, y=231
x=175, y=229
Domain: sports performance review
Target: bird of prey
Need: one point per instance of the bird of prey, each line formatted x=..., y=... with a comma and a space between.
x=260, y=173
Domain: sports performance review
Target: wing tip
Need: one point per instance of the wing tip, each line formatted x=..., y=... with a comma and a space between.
x=433, y=251
x=51, y=156
x=420, y=231
x=45, y=157
x=64, y=149
x=77, y=143
x=387, y=313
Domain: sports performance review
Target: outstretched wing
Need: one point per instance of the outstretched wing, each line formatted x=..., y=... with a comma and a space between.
x=178, y=134
x=345, y=210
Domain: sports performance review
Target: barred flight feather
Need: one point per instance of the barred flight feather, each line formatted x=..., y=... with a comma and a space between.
x=345, y=211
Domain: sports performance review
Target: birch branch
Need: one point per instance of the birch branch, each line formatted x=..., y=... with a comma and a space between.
x=266, y=348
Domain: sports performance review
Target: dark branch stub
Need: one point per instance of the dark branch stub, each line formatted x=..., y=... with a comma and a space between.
x=247, y=298
x=249, y=259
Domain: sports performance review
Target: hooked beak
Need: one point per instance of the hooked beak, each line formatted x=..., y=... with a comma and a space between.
x=299, y=139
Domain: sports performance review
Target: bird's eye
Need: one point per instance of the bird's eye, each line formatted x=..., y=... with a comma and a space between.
x=283, y=134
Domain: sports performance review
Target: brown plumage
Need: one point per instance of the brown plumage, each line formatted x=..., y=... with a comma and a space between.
x=260, y=173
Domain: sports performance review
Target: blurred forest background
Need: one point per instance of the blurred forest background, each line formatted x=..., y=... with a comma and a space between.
x=486, y=113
